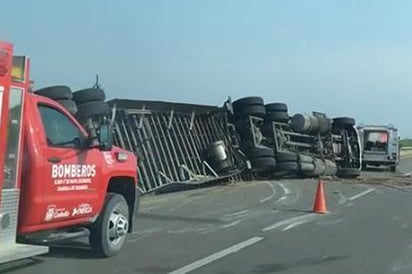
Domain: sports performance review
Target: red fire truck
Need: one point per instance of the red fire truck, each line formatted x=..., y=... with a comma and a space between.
x=59, y=180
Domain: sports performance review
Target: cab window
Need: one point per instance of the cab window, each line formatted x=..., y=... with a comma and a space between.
x=60, y=130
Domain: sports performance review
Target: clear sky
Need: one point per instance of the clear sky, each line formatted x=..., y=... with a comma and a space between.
x=342, y=57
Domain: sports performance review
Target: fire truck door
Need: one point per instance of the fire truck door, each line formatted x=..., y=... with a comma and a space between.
x=72, y=172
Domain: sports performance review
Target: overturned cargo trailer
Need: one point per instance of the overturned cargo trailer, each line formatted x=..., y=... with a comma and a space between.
x=307, y=145
x=177, y=144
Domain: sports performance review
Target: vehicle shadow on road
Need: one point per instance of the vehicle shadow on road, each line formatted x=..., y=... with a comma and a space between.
x=18, y=265
x=72, y=250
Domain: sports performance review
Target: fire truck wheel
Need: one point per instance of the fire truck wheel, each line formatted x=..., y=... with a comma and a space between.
x=89, y=94
x=343, y=122
x=286, y=156
x=91, y=109
x=276, y=107
x=252, y=110
x=55, y=92
x=348, y=172
x=109, y=232
x=70, y=105
x=247, y=101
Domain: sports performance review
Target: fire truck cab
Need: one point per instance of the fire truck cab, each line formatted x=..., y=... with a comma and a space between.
x=380, y=145
x=58, y=180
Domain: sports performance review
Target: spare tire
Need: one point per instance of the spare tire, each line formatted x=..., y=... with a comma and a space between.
x=70, y=105
x=91, y=109
x=55, y=92
x=276, y=107
x=89, y=94
x=246, y=101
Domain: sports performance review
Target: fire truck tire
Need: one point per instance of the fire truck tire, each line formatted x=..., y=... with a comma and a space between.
x=288, y=166
x=276, y=107
x=91, y=109
x=305, y=159
x=55, y=92
x=70, y=105
x=348, y=173
x=89, y=94
x=108, y=233
x=251, y=110
x=263, y=164
x=282, y=117
x=247, y=101
x=286, y=156
x=343, y=122
x=262, y=152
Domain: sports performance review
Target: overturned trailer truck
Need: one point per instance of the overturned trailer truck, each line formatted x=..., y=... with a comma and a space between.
x=187, y=144
x=306, y=145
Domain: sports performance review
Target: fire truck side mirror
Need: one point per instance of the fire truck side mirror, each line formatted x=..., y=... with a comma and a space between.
x=105, y=137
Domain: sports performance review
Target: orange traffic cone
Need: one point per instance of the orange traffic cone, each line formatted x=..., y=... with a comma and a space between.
x=320, y=201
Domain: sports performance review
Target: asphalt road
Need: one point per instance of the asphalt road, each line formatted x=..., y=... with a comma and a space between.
x=258, y=227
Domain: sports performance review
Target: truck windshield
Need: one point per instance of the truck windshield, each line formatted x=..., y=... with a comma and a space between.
x=376, y=140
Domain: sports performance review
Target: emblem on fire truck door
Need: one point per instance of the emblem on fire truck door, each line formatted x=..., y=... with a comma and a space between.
x=53, y=212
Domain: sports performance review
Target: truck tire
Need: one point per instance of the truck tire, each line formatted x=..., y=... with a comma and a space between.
x=252, y=110
x=89, y=94
x=247, y=101
x=307, y=167
x=288, y=166
x=262, y=152
x=348, y=172
x=70, y=105
x=91, y=109
x=276, y=107
x=393, y=168
x=282, y=117
x=263, y=164
x=305, y=158
x=108, y=233
x=55, y=92
x=286, y=156
x=343, y=122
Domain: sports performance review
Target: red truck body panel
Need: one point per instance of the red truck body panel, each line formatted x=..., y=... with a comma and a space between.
x=71, y=191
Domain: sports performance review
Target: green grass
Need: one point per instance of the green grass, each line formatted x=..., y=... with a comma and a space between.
x=406, y=143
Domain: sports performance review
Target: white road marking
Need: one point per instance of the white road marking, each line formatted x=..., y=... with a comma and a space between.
x=285, y=189
x=216, y=256
x=408, y=174
x=361, y=194
x=232, y=224
x=236, y=215
x=291, y=221
x=272, y=195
